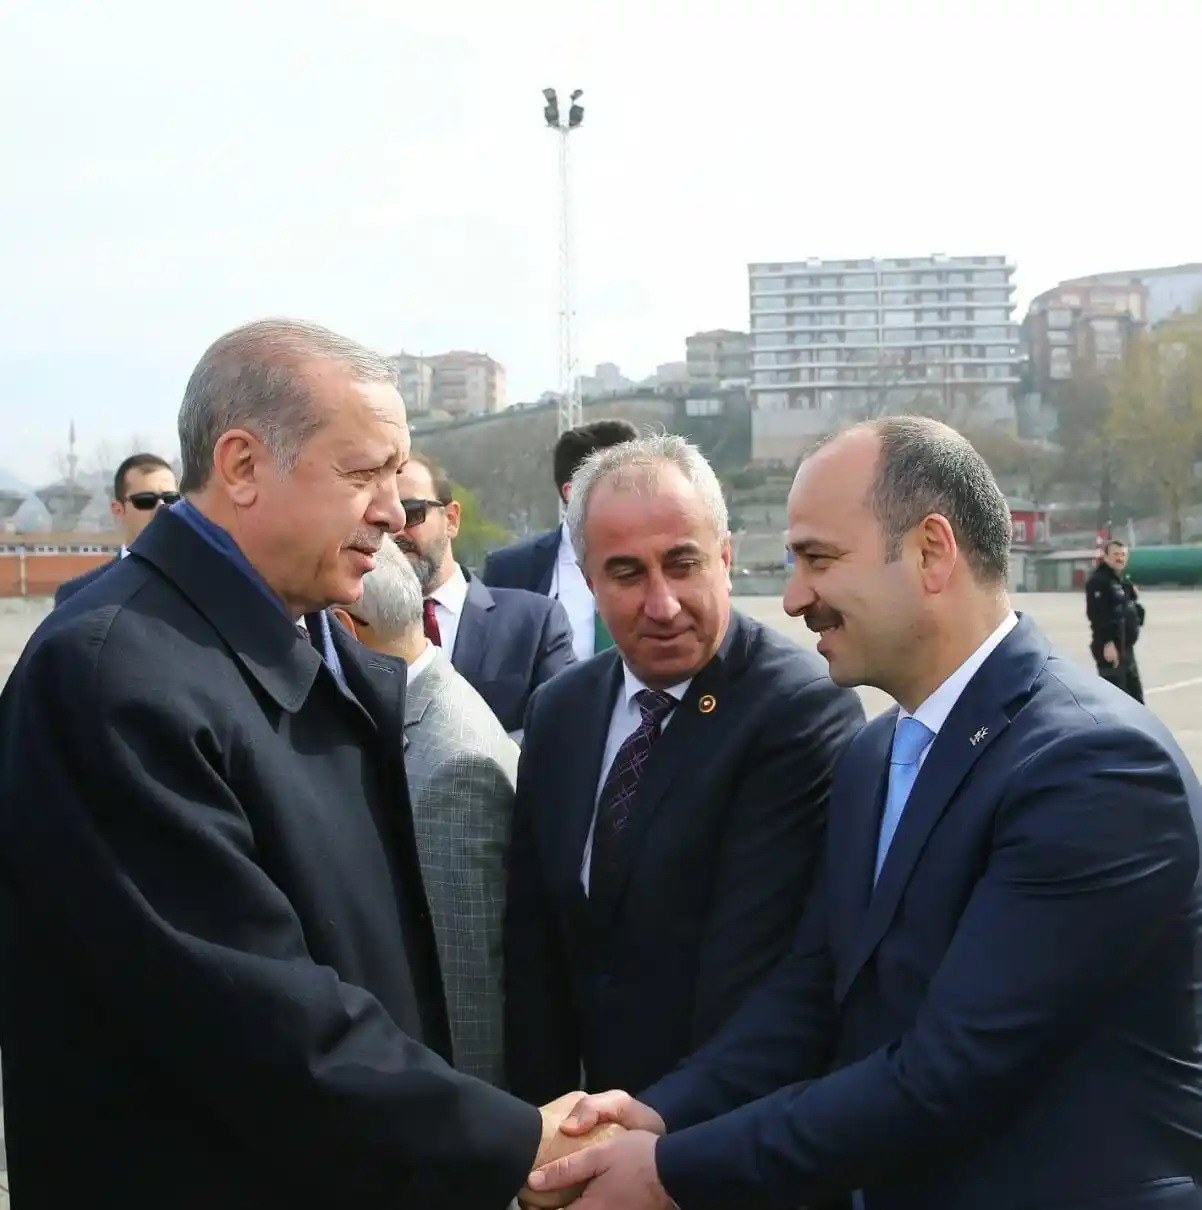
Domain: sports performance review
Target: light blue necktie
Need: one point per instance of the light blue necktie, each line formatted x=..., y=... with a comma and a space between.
x=910, y=740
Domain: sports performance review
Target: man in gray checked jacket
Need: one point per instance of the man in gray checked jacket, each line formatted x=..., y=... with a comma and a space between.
x=461, y=768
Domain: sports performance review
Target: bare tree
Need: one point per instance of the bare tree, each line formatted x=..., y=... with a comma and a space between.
x=1155, y=422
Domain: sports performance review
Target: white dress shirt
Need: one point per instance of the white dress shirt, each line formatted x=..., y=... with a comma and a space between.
x=934, y=711
x=423, y=661
x=568, y=587
x=623, y=721
x=448, y=601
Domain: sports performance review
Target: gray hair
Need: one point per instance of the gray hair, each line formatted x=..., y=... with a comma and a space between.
x=391, y=603
x=634, y=465
x=253, y=378
x=927, y=467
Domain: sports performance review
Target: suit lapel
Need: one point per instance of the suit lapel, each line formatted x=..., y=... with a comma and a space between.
x=853, y=829
x=471, y=638
x=547, y=553
x=979, y=716
x=582, y=765
x=377, y=683
x=419, y=692
x=692, y=729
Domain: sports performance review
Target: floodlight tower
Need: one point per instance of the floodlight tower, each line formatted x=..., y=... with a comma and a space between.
x=570, y=410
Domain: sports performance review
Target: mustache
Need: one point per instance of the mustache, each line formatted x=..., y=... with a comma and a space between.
x=821, y=619
x=365, y=539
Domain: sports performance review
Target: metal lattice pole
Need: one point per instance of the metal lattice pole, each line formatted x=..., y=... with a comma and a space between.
x=570, y=408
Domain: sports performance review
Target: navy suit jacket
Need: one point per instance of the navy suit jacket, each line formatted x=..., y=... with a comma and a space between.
x=720, y=851
x=1010, y=1020
x=68, y=588
x=509, y=642
x=528, y=564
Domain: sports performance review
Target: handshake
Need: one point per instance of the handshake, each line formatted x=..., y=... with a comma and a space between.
x=580, y=1135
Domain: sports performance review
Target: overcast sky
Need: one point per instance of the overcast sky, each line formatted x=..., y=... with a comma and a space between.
x=380, y=166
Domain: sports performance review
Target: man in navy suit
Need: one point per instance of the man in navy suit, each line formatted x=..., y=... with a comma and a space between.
x=504, y=642
x=142, y=485
x=993, y=1001
x=672, y=793
x=546, y=563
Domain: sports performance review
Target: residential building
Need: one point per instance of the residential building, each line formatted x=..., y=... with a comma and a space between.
x=1169, y=290
x=837, y=341
x=457, y=383
x=415, y=381
x=671, y=376
x=468, y=384
x=1080, y=329
x=719, y=356
x=606, y=379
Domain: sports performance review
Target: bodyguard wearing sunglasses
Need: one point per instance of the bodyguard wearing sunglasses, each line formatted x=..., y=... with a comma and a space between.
x=504, y=642
x=142, y=484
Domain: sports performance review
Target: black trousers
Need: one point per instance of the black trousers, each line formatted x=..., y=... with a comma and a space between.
x=1124, y=675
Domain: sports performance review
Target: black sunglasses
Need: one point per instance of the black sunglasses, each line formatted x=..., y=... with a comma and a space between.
x=416, y=510
x=145, y=501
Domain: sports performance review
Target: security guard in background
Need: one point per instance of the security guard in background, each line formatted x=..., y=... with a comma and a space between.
x=1115, y=617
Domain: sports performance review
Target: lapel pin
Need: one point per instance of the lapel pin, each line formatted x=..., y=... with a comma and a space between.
x=707, y=703
x=978, y=736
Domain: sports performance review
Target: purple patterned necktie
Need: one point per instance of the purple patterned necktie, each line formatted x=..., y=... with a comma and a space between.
x=617, y=795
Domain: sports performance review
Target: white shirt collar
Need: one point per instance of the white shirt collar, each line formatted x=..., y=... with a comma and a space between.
x=453, y=593
x=565, y=554
x=423, y=662
x=934, y=711
x=632, y=686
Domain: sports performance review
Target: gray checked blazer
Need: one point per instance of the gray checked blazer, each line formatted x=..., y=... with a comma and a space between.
x=462, y=768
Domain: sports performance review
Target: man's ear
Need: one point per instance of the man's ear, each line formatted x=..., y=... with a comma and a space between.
x=453, y=514
x=346, y=619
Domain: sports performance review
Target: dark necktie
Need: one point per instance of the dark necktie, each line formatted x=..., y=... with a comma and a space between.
x=617, y=795
x=430, y=623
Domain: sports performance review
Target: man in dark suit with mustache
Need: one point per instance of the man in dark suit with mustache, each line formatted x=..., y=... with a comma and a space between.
x=220, y=983
x=671, y=797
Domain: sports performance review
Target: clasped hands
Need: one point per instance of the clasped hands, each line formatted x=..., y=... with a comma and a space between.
x=599, y=1149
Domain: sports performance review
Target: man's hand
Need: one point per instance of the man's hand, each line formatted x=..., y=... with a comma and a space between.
x=621, y=1175
x=1110, y=653
x=557, y=1143
x=616, y=1106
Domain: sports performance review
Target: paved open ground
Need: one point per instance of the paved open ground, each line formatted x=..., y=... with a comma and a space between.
x=1170, y=657
x=1170, y=648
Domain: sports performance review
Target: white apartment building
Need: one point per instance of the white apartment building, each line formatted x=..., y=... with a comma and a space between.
x=833, y=342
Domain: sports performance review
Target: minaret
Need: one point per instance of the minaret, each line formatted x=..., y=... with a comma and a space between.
x=72, y=459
